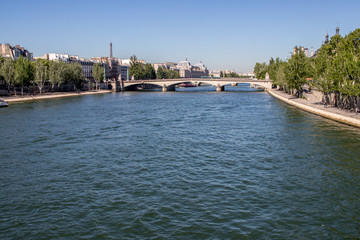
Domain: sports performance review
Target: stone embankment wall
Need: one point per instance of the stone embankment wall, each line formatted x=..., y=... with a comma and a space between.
x=327, y=113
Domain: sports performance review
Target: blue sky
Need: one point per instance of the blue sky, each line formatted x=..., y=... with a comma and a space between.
x=224, y=34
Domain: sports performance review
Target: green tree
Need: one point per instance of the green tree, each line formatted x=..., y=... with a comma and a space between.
x=280, y=78
x=76, y=75
x=260, y=70
x=161, y=74
x=334, y=70
x=149, y=72
x=7, y=70
x=173, y=74
x=1, y=63
x=98, y=74
x=24, y=73
x=167, y=74
x=297, y=70
x=57, y=73
x=136, y=68
x=41, y=72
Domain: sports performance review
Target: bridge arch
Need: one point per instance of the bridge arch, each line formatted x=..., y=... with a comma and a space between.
x=169, y=84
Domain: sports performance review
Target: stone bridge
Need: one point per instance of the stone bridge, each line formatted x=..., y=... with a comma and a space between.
x=170, y=84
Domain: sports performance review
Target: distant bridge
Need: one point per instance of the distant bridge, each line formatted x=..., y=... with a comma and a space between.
x=170, y=84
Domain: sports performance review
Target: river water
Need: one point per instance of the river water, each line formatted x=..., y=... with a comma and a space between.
x=176, y=165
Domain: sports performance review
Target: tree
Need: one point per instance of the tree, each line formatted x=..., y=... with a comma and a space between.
x=136, y=69
x=76, y=75
x=297, y=70
x=167, y=74
x=141, y=71
x=260, y=70
x=7, y=70
x=173, y=74
x=98, y=74
x=24, y=72
x=160, y=73
x=40, y=73
x=334, y=70
x=280, y=78
x=56, y=73
x=149, y=72
x=1, y=63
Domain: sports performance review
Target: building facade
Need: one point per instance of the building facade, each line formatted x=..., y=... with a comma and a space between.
x=186, y=70
x=15, y=51
x=113, y=67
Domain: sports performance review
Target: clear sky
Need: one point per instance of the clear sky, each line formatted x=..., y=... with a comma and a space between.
x=224, y=34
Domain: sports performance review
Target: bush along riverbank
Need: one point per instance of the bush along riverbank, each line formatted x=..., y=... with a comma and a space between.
x=334, y=70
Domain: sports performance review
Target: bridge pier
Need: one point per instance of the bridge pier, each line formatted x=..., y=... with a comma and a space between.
x=220, y=88
x=168, y=88
x=115, y=86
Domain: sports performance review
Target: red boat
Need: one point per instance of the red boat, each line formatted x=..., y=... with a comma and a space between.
x=187, y=85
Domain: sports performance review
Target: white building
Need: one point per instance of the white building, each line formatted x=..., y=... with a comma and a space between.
x=62, y=57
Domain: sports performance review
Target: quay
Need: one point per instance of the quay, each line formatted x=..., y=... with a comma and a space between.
x=313, y=105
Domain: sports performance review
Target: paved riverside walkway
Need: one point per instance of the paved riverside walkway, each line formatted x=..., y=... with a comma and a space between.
x=48, y=95
x=313, y=105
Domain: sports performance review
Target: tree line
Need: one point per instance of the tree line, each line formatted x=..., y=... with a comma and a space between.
x=24, y=73
x=334, y=70
x=232, y=75
x=146, y=71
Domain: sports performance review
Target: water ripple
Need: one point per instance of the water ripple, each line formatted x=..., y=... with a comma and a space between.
x=183, y=165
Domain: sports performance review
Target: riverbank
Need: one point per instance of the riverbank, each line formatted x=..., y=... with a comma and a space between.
x=49, y=95
x=313, y=105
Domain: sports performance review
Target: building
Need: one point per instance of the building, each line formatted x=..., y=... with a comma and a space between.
x=14, y=52
x=215, y=74
x=128, y=61
x=186, y=70
x=165, y=65
x=87, y=66
x=305, y=51
x=199, y=70
x=114, y=67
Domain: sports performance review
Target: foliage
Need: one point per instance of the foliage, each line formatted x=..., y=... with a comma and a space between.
x=75, y=74
x=141, y=71
x=297, y=70
x=334, y=70
x=232, y=75
x=149, y=71
x=57, y=73
x=98, y=74
x=167, y=73
x=2, y=59
x=41, y=72
x=7, y=70
x=24, y=72
x=260, y=70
